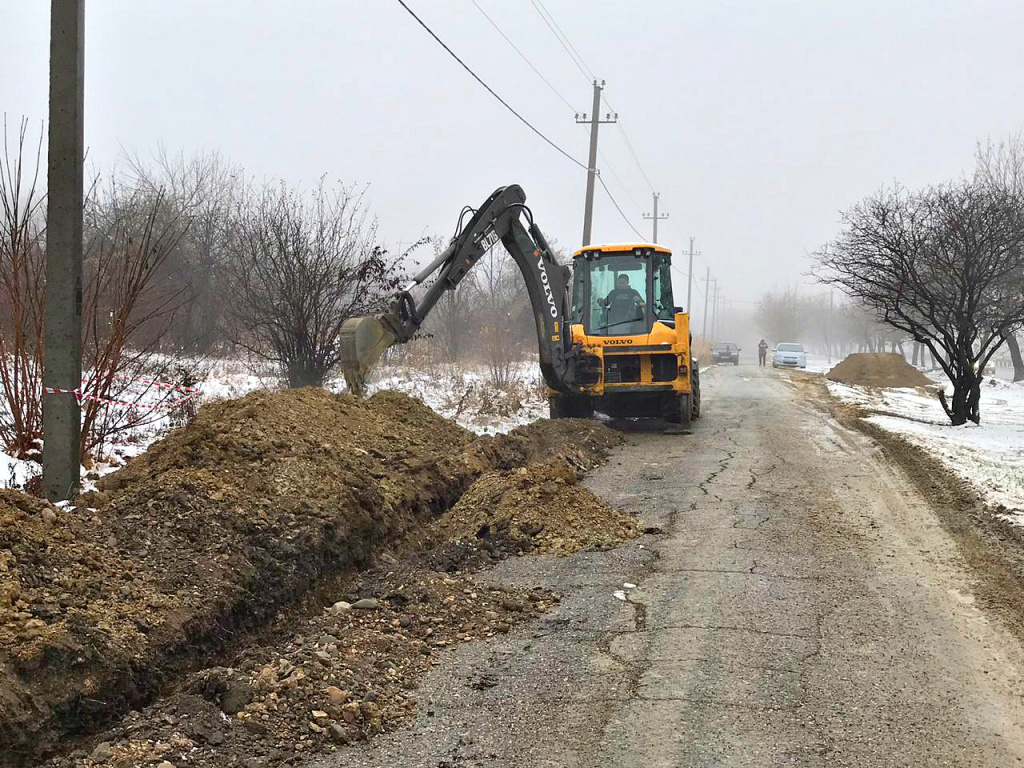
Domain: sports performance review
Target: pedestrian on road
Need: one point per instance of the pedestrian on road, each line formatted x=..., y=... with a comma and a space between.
x=762, y=352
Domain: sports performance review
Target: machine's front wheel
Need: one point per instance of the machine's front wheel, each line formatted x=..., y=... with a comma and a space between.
x=677, y=409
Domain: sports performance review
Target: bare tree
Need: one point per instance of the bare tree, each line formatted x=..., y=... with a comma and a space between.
x=780, y=315
x=128, y=307
x=504, y=324
x=449, y=327
x=198, y=189
x=1001, y=167
x=944, y=266
x=299, y=266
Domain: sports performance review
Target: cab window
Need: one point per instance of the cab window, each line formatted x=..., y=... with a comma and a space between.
x=617, y=290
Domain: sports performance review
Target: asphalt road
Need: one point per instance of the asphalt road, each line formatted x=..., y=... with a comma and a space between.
x=802, y=607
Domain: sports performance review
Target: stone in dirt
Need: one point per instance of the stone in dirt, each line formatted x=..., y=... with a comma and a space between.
x=865, y=369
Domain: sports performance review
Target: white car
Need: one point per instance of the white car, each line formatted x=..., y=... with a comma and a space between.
x=789, y=355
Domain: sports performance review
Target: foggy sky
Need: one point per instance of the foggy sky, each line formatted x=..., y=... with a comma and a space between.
x=756, y=121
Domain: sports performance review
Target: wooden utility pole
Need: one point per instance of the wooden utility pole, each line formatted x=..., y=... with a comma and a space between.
x=655, y=217
x=595, y=121
x=62, y=372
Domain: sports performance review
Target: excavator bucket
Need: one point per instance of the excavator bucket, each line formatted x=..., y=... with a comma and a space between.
x=363, y=340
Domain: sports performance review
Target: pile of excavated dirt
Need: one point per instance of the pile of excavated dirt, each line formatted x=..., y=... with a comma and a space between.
x=878, y=370
x=211, y=534
x=540, y=508
x=346, y=675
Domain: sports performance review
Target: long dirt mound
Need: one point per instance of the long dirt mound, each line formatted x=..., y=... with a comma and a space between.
x=878, y=370
x=212, y=533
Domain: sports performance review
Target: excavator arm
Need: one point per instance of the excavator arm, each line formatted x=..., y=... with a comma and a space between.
x=365, y=339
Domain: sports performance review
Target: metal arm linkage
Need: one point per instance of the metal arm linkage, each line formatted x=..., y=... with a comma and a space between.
x=547, y=283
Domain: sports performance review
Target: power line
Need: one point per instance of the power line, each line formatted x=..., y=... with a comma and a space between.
x=616, y=204
x=563, y=41
x=608, y=165
x=632, y=151
x=523, y=57
x=490, y=90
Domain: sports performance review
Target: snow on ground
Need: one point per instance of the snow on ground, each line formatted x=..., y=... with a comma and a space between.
x=465, y=395
x=462, y=393
x=990, y=456
x=818, y=363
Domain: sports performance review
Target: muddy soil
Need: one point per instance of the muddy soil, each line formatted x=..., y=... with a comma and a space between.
x=210, y=535
x=878, y=370
x=540, y=508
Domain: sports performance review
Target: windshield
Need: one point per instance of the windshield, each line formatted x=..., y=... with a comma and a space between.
x=723, y=347
x=617, y=287
x=790, y=348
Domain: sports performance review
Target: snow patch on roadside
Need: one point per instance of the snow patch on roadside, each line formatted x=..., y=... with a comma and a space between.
x=989, y=456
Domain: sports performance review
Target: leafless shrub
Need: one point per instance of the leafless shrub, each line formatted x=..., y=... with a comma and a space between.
x=298, y=266
x=22, y=295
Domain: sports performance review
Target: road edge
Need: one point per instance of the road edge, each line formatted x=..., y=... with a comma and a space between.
x=992, y=548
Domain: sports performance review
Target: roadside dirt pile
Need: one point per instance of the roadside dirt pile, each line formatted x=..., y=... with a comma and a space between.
x=211, y=534
x=540, y=508
x=878, y=370
x=345, y=676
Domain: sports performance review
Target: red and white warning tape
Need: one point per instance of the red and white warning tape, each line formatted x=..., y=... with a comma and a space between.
x=192, y=393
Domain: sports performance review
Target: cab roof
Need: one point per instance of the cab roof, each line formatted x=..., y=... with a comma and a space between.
x=620, y=248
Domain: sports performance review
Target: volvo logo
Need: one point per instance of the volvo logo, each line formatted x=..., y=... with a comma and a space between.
x=548, y=293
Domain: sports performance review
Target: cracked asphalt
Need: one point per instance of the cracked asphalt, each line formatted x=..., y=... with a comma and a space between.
x=801, y=606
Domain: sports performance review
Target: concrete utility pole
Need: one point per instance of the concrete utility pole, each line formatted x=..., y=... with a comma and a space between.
x=714, y=308
x=655, y=217
x=595, y=121
x=707, y=293
x=62, y=425
x=689, y=281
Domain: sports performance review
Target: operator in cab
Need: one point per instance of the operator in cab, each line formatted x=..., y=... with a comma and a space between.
x=624, y=303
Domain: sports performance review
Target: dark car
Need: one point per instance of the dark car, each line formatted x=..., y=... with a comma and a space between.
x=726, y=352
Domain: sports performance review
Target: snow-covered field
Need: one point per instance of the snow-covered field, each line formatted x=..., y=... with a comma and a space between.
x=990, y=456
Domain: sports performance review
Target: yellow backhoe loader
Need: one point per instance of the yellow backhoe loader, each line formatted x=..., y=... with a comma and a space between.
x=610, y=338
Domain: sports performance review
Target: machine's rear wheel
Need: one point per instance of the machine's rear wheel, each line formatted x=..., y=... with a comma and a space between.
x=569, y=407
x=695, y=412
x=677, y=409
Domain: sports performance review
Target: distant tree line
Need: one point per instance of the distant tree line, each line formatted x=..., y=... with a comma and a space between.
x=832, y=325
